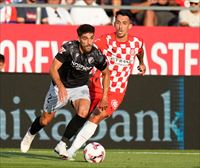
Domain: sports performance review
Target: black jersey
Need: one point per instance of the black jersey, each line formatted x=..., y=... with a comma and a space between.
x=76, y=66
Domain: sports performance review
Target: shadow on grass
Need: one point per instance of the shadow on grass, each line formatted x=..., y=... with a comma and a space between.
x=27, y=155
x=34, y=156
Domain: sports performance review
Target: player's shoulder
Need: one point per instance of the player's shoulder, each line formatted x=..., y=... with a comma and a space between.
x=133, y=38
x=106, y=36
x=70, y=43
x=68, y=46
x=96, y=51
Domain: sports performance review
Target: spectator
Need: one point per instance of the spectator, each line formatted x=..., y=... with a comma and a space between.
x=139, y=15
x=2, y=62
x=110, y=12
x=8, y=14
x=68, y=2
x=93, y=16
x=29, y=15
x=190, y=17
x=161, y=18
x=58, y=15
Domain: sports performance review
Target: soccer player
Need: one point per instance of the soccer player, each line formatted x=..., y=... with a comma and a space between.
x=121, y=48
x=70, y=74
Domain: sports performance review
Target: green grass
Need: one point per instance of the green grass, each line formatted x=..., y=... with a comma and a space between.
x=12, y=158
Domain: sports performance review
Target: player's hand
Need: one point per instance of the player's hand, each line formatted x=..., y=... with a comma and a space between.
x=142, y=69
x=62, y=93
x=103, y=104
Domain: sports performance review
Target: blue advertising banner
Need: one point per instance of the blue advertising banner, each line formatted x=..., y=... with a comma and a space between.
x=158, y=112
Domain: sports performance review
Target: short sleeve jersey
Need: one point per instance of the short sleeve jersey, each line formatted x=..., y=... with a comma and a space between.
x=121, y=57
x=74, y=71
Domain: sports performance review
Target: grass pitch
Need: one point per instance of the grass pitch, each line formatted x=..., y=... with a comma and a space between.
x=13, y=158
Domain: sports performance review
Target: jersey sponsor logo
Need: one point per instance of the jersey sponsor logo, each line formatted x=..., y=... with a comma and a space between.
x=80, y=67
x=114, y=104
x=120, y=61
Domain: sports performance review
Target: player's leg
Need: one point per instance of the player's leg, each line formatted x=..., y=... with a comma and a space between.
x=82, y=107
x=51, y=104
x=87, y=131
x=81, y=102
x=36, y=126
x=77, y=121
x=90, y=126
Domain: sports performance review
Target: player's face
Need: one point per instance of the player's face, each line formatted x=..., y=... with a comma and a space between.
x=89, y=2
x=86, y=42
x=122, y=26
x=193, y=4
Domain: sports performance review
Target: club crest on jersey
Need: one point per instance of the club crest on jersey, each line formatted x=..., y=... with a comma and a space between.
x=61, y=50
x=114, y=104
x=90, y=60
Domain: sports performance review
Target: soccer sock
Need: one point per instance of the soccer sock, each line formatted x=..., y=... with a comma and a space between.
x=74, y=125
x=36, y=126
x=85, y=134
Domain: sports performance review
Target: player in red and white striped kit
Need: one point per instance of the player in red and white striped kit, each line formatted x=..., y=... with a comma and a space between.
x=121, y=48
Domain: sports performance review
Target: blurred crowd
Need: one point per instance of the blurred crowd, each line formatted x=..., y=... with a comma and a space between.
x=77, y=15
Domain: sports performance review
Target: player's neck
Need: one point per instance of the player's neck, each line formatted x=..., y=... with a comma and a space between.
x=122, y=39
x=81, y=50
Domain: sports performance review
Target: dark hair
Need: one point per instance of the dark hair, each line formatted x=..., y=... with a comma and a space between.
x=124, y=13
x=2, y=58
x=85, y=28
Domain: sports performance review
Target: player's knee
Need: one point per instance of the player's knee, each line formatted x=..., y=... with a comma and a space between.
x=105, y=115
x=45, y=121
x=98, y=117
x=83, y=113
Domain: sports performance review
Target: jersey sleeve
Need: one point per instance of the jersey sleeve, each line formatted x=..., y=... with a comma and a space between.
x=63, y=53
x=101, y=61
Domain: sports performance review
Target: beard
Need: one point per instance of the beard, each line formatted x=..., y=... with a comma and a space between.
x=86, y=49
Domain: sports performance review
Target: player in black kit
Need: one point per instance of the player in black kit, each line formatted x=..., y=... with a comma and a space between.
x=70, y=74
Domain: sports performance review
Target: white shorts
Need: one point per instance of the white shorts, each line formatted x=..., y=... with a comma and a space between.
x=52, y=102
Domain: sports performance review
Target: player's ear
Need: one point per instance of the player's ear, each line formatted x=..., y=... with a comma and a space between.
x=130, y=26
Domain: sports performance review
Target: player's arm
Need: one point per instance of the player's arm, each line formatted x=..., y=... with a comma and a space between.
x=106, y=83
x=102, y=65
x=56, y=78
x=141, y=67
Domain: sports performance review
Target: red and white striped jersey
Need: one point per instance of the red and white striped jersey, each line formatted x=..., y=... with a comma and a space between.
x=121, y=57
